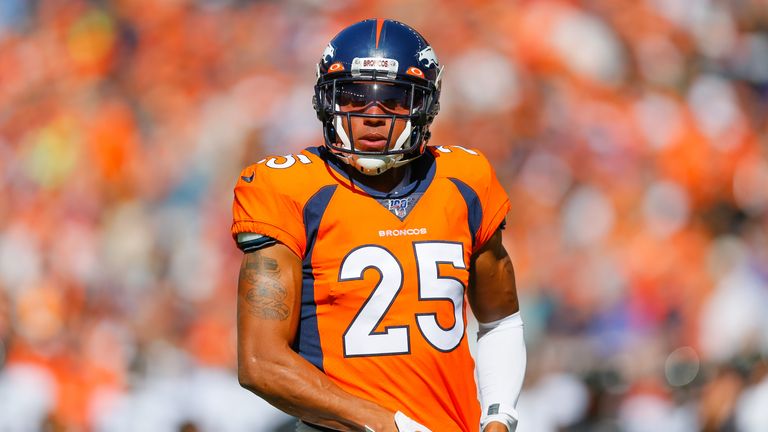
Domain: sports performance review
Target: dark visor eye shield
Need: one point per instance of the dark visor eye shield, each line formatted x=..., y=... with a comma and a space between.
x=395, y=98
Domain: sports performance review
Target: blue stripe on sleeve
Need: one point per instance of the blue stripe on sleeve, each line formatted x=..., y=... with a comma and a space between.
x=307, y=342
x=474, y=208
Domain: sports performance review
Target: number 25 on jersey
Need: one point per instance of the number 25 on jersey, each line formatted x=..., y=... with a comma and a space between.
x=361, y=337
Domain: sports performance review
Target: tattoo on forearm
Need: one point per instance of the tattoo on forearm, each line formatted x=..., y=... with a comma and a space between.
x=267, y=297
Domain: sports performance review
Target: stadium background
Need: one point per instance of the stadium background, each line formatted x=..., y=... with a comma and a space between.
x=630, y=134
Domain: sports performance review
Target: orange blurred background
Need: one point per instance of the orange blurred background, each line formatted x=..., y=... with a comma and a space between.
x=631, y=135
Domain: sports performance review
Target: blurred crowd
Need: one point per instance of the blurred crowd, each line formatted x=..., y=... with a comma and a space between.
x=631, y=135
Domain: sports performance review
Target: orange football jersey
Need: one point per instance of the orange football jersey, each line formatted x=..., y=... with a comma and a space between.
x=382, y=305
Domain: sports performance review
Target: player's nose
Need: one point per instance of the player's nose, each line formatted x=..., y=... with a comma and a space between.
x=374, y=108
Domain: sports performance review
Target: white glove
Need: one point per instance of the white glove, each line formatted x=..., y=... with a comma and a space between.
x=406, y=424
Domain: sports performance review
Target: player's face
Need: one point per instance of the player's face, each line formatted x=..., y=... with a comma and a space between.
x=375, y=98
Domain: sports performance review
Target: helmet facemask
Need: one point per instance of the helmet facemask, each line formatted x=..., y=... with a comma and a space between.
x=399, y=101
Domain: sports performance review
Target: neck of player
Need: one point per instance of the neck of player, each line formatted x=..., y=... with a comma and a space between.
x=384, y=182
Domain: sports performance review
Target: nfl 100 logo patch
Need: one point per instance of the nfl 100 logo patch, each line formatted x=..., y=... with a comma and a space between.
x=398, y=206
x=402, y=206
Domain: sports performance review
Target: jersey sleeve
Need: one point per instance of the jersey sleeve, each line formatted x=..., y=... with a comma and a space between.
x=495, y=204
x=260, y=206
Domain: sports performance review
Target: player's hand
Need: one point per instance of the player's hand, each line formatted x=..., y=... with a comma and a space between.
x=495, y=427
x=406, y=424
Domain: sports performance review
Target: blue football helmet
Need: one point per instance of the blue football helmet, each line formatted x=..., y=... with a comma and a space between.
x=387, y=63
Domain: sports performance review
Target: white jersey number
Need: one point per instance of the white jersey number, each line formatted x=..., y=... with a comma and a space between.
x=361, y=337
x=286, y=162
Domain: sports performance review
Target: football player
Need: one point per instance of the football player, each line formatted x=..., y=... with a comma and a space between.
x=359, y=254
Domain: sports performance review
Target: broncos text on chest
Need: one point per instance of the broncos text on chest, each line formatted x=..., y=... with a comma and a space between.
x=402, y=232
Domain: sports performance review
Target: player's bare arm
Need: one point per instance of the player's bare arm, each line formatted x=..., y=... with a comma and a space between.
x=266, y=295
x=501, y=349
x=269, y=293
x=492, y=293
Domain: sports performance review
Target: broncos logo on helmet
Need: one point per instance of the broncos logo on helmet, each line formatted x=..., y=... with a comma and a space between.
x=428, y=55
x=328, y=53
